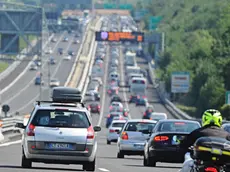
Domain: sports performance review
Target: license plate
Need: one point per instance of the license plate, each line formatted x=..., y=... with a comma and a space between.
x=59, y=146
x=216, y=151
x=139, y=146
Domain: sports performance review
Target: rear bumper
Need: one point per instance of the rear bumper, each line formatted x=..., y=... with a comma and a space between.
x=132, y=148
x=167, y=155
x=57, y=156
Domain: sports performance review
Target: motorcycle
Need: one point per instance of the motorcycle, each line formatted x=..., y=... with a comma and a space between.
x=209, y=154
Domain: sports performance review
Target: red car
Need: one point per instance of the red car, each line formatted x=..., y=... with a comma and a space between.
x=94, y=108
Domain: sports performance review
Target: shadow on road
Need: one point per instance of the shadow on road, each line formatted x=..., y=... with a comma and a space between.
x=37, y=168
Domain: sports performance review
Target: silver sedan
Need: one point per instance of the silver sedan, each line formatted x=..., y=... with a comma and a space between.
x=132, y=137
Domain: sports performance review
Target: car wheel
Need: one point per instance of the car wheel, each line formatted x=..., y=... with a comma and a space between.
x=108, y=142
x=26, y=163
x=90, y=166
x=151, y=162
x=120, y=154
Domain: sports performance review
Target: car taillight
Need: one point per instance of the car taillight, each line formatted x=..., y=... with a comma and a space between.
x=210, y=169
x=108, y=116
x=31, y=130
x=124, y=136
x=99, y=107
x=121, y=109
x=126, y=113
x=160, y=138
x=109, y=91
x=131, y=97
x=111, y=131
x=144, y=97
x=145, y=114
x=138, y=97
x=110, y=107
x=90, y=133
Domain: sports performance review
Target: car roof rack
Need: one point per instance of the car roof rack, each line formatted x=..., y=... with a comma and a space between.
x=52, y=103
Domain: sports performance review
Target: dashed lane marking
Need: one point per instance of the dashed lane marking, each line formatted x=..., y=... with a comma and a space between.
x=103, y=169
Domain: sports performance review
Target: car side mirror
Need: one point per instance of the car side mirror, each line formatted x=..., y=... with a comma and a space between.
x=20, y=125
x=97, y=128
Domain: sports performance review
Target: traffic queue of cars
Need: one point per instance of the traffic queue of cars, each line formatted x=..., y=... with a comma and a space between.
x=154, y=136
x=36, y=64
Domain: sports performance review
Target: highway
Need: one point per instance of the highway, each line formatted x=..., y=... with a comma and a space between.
x=25, y=86
x=106, y=157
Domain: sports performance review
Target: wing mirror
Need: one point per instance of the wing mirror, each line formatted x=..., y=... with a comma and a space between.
x=97, y=128
x=20, y=125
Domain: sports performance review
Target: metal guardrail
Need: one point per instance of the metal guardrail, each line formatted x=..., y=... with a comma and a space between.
x=9, y=123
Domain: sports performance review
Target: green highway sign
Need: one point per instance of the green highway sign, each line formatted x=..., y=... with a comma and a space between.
x=120, y=6
x=140, y=14
x=110, y=6
x=227, y=97
x=154, y=21
x=126, y=6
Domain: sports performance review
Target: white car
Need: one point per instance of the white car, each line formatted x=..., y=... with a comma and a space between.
x=54, y=83
x=49, y=51
x=116, y=106
x=114, y=129
x=67, y=57
x=33, y=66
x=158, y=116
x=98, y=80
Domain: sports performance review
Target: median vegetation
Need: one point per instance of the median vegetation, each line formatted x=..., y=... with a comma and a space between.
x=198, y=41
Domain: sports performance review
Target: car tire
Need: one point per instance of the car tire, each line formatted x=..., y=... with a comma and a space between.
x=120, y=154
x=108, y=142
x=26, y=163
x=90, y=166
x=151, y=162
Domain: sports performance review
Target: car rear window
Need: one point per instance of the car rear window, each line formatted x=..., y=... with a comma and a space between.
x=139, y=126
x=61, y=119
x=118, y=124
x=178, y=127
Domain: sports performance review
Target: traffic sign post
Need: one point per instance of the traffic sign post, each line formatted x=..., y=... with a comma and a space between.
x=227, y=97
x=154, y=21
x=5, y=109
x=180, y=82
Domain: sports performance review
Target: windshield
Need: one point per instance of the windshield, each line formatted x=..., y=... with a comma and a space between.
x=158, y=117
x=139, y=126
x=177, y=127
x=61, y=118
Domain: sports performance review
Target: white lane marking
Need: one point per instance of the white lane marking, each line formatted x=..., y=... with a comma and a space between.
x=53, y=74
x=32, y=81
x=123, y=79
x=10, y=143
x=103, y=169
x=104, y=87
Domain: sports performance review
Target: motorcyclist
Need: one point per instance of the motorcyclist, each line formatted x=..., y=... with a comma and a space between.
x=211, y=127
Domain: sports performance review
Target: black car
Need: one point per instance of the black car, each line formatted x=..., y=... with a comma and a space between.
x=60, y=50
x=71, y=53
x=115, y=99
x=133, y=99
x=165, y=139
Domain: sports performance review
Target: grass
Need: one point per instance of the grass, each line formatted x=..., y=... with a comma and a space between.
x=187, y=109
x=3, y=66
x=23, y=44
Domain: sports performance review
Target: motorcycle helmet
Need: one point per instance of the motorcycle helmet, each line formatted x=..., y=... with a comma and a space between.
x=212, y=116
